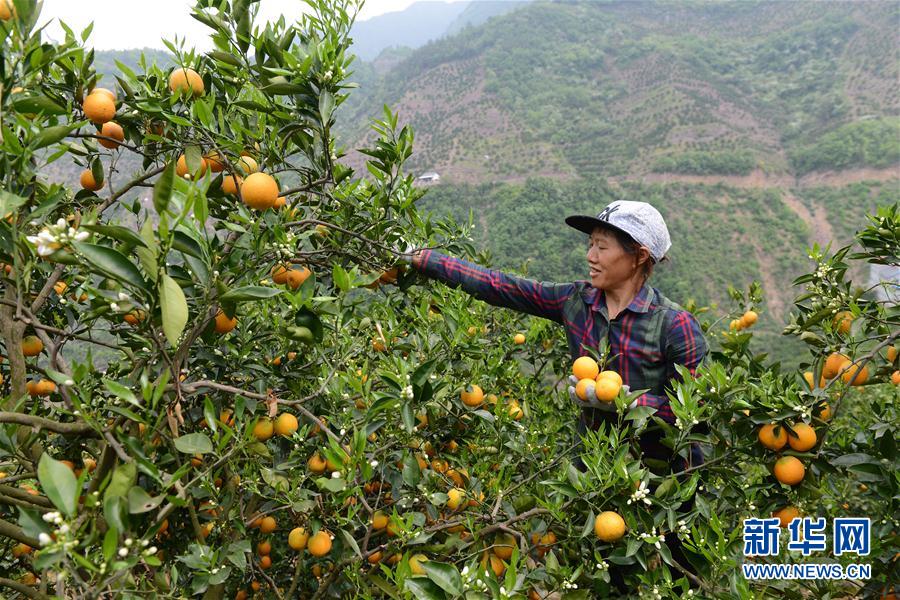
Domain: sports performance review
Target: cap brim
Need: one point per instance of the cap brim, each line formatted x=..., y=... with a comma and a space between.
x=586, y=224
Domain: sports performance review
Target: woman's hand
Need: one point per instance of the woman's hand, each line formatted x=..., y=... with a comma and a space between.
x=592, y=401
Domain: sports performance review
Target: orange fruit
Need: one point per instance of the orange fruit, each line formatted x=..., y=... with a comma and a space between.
x=455, y=497
x=415, y=563
x=749, y=318
x=585, y=388
x=773, y=436
x=134, y=317
x=186, y=80
x=519, y=339
x=296, y=277
x=247, y=165
x=316, y=463
x=231, y=183
x=280, y=274
x=319, y=544
x=267, y=525
x=286, y=424
x=611, y=375
x=606, y=389
x=503, y=546
x=224, y=324
x=472, y=396
x=90, y=464
x=263, y=548
x=379, y=520
x=32, y=345
x=515, y=411
x=609, y=526
x=786, y=515
x=259, y=191
x=265, y=562
x=241, y=595
x=60, y=287
x=297, y=538
x=842, y=322
x=99, y=108
x=21, y=550
x=852, y=374
x=263, y=429
x=181, y=167
x=113, y=130
x=88, y=182
x=895, y=377
x=280, y=202
x=802, y=438
x=374, y=558
x=585, y=367
x=215, y=162
x=891, y=353
x=7, y=10
x=833, y=365
x=111, y=94
x=789, y=470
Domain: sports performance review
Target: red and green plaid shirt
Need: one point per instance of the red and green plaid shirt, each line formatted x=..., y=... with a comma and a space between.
x=646, y=340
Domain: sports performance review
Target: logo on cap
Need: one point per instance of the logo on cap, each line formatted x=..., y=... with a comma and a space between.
x=604, y=216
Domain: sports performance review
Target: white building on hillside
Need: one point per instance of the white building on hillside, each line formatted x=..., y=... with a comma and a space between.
x=429, y=177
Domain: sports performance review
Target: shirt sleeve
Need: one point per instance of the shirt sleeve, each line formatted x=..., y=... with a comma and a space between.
x=540, y=299
x=685, y=345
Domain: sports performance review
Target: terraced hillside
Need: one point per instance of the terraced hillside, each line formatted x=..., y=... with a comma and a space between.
x=629, y=88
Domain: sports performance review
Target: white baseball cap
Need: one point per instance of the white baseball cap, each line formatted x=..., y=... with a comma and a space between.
x=638, y=219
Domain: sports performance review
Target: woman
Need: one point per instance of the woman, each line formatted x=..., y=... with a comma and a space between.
x=647, y=333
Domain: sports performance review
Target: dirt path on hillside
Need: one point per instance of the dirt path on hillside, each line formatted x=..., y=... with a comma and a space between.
x=819, y=227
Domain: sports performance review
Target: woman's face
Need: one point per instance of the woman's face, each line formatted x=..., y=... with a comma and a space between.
x=610, y=266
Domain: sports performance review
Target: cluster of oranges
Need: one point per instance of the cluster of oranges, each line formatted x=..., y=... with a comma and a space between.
x=606, y=384
x=284, y=424
x=789, y=470
x=290, y=275
x=473, y=397
x=747, y=320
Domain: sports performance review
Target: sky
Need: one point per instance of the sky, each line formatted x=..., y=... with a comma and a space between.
x=123, y=24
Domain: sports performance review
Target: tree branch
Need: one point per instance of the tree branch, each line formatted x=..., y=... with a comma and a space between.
x=75, y=428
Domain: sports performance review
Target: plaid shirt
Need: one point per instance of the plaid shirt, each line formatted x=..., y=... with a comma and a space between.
x=646, y=340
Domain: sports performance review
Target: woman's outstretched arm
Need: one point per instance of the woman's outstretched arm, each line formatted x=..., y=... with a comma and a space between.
x=541, y=299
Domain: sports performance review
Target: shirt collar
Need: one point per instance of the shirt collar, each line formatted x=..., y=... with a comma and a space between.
x=640, y=304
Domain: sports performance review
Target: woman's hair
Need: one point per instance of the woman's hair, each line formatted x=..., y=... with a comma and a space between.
x=631, y=246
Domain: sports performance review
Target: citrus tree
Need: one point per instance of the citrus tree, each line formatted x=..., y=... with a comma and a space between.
x=217, y=382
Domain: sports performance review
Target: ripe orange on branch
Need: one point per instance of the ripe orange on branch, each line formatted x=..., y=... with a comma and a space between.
x=319, y=544
x=609, y=526
x=112, y=130
x=286, y=424
x=183, y=80
x=99, y=108
x=472, y=396
x=224, y=324
x=789, y=470
x=88, y=182
x=773, y=436
x=802, y=438
x=298, y=538
x=32, y=345
x=259, y=191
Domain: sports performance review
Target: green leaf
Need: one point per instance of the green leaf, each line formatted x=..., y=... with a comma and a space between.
x=59, y=483
x=194, y=443
x=10, y=202
x=120, y=391
x=174, y=309
x=250, y=292
x=326, y=106
x=162, y=191
x=445, y=575
x=117, y=232
x=139, y=501
x=37, y=104
x=341, y=279
x=113, y=263
x=424, y=589
x=122, y=480
x=224, y=57
x=51, y=135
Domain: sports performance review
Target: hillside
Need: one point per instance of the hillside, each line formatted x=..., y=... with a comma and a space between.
x=630, y=88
